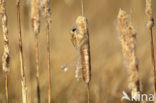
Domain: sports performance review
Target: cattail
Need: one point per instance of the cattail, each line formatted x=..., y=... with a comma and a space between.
x=82, y=27
x=150, y=24
x=45, y=4
x=36, y=29
x=5, y=57
x=23, y=79
x=148, y=11
x=128, y=42
x=80, y=39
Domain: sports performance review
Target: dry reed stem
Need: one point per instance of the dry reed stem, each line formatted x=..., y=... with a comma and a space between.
x=128, y=42
x=150, y=24
x=149, y=14
x=47, y=13
x=5, y=57
x=23, y=78
x=88, y=93
x=82, y=26
x=153, y=62
x=36, y=29
x=80, y=39
x=6, y=88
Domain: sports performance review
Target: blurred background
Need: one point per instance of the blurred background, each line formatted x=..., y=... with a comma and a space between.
x=109, y=75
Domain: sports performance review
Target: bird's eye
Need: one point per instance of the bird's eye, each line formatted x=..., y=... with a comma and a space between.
x=74, y=29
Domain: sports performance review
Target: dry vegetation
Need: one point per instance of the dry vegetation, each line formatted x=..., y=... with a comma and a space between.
x=116, y=46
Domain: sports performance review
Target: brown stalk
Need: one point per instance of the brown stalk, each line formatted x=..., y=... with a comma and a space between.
x=47, y=13
x=80, y=40
x=88, y=93
x=36, y=29
x=37, y=67
x=153, y=59
x=49, y=72
x=6, y=88
x=23, y=78
x=150, y=25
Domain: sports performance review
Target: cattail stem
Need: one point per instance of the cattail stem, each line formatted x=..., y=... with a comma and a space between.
x=47, y=14
x=37, y=67
x=6, y=87
x=35, y=10
x=23, y=79
x=49, y=72
x=88, y=93
x=150, y=24
x=153, y=59
x=80, y=40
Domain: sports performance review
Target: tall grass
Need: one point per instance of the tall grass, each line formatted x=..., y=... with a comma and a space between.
x=128, y=42
x=35, y=10
x=6, y=52
x=80, y=39
x=150, y=24
x=47, y=13
x=23, y=79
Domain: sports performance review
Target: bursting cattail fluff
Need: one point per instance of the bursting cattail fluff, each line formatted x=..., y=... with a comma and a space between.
x=45, y=5
x=80, y=39
x=5, y=57
x=128, y=42
x=35, y=15
x=148, y=11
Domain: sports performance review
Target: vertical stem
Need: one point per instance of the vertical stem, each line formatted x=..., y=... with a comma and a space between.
x=37, y=66
x=49, y=72
x=88, y=93
x=153, y=60
x=23, y=79
x=82, y=8
x=6, y=87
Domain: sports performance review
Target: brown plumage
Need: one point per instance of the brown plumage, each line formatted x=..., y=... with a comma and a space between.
x=80, y=40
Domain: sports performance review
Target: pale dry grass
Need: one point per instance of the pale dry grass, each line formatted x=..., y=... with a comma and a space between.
x=35, y=13
x=23, y=78
x=45, y=4
x=128, y=42
x=150, y=25
x=108, y=74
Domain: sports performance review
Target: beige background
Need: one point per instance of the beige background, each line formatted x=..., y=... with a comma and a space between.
x=109, y=75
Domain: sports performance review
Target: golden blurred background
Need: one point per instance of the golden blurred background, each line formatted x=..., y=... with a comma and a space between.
x=109, y=75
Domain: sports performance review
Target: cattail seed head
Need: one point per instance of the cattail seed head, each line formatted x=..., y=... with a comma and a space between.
x=148, y=12
x=81, y=24
x=35, y=13
x=128, y=42
x=5, y=57
x=83, y=38
x=45, y=5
